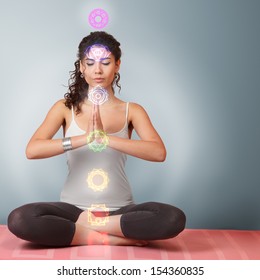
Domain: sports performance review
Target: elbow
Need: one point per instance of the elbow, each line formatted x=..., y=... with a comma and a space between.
x=161, y=155
x=29, y=153
x=30, y=157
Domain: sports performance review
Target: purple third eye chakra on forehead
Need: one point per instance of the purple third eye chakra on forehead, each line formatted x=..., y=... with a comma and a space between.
x=98, y=18
x=97, y=52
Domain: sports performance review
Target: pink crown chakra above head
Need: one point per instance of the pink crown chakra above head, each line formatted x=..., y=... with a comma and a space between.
x=98, y=52
x=98, y=18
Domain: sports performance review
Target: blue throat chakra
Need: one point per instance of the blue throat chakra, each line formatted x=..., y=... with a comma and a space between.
x=98, y=95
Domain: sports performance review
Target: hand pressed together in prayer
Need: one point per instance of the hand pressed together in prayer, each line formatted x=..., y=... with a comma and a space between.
x=97, y=139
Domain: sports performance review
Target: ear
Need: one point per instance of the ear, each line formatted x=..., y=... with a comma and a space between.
x=118, y=65
x=81, y=68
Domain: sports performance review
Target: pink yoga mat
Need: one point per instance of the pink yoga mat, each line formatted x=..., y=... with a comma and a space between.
x=192, y=244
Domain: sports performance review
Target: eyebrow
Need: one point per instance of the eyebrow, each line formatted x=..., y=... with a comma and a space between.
x=103, y=58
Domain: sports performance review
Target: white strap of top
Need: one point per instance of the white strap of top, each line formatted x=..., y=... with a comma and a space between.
x=72, y=112
x=126, y=113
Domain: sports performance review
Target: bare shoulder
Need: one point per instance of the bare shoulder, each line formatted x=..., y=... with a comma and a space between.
x=60, y=105
x=136, y=107
x=59, y=108
x=136, y=110
x=58, y=112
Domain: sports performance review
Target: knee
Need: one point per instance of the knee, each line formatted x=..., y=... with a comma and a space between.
x=17, y=223
x=176, y=221
x=169, y=220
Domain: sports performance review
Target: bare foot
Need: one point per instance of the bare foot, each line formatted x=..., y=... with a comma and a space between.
x=122, y=241
x=90, y=230
x=86, y=236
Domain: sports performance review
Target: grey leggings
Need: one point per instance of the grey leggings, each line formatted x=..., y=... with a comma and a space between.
x=53, y=223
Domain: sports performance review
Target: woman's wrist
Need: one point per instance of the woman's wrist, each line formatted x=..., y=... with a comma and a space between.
x=75, y=142
x=66, y=144
x=97, y=140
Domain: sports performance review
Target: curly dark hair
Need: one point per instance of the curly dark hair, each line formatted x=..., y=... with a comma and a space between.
x=78, y=87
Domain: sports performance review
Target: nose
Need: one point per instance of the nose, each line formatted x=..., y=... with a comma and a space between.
x=98, y=68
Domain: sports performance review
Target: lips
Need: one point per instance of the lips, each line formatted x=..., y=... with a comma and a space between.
x=99, y=80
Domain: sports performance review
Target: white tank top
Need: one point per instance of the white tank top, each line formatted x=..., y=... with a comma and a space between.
x=96, y=178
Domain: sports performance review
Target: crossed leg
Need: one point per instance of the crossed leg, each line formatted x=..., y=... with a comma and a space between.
x=131, y=225
x=61, y=224
x=109, y=233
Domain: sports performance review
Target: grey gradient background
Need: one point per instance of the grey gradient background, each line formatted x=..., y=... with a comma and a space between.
x=193, y=64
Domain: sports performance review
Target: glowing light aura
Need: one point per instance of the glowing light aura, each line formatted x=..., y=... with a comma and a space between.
x=98, y=140
x=98, y=18
x=98, y=95
x=97, y=52
x=94, y=181
x=102, y=218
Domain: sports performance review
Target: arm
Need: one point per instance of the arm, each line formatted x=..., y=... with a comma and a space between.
x=41, y=145
x=149, y=147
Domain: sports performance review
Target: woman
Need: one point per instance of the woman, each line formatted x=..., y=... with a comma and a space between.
x=96, y=204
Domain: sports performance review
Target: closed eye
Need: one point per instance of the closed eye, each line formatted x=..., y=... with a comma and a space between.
x=90, y=62
x=104, y=61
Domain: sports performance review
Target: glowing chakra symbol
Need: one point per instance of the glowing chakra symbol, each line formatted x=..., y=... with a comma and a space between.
x=98, y=140
x=97, y=180
x=101, y=217
x=98, y=18
x=97, y=52
x=98, y=95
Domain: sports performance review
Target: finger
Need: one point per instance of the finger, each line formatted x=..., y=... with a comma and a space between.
x=98, y=122
x=97, y=112
x=95, y=116
x=91, y=120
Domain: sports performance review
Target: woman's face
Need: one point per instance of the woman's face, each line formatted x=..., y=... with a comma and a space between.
x=99, y=67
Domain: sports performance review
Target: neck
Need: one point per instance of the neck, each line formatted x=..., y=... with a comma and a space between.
x=100, y=95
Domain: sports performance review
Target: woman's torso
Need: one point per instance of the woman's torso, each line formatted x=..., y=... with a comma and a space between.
x=96, y=179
